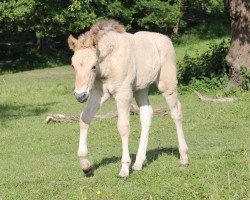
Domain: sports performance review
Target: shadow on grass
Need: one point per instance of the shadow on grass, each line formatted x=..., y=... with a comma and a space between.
x=152, y=155
x=32, y=60
x=13, y=112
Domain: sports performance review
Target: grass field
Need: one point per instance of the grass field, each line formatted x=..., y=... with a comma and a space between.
x=39, y=161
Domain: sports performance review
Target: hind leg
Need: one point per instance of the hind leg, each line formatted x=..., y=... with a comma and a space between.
x=176, y=114
x=167, y=84
x=141, y=98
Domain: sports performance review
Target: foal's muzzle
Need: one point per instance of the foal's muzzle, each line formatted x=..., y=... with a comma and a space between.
x=81, y=97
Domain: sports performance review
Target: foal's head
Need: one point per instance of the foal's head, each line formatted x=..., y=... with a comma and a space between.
x=84, y=62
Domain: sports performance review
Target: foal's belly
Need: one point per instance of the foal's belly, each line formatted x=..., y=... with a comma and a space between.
x=145, y=79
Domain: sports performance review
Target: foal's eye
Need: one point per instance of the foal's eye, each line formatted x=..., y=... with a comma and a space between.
x=94, y=67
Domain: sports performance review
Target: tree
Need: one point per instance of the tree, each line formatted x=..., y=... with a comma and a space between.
x=158, y=16
x=239, y=52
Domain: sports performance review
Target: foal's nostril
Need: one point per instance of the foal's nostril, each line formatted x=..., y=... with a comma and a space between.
x=81, y=97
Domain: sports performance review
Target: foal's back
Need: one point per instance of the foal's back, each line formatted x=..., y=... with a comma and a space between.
x=152, y=52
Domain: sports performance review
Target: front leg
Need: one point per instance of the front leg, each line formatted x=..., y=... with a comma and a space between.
x=87, y=115
x=123, y=101
x=82, y=149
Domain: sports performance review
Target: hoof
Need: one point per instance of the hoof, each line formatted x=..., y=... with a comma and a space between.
x=123, y=174
x=184, y=165
x=184, y=162
x=88, y=172
x=137, y=167
x=85, y=171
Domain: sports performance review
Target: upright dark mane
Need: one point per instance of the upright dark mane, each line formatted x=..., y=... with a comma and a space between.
x=85, y=40
x=103, y=26
x=97, y=30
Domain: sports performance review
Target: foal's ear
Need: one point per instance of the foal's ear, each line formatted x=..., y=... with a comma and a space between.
x=72, y=42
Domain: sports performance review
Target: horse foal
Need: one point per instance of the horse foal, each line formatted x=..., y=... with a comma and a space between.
x=109, y=61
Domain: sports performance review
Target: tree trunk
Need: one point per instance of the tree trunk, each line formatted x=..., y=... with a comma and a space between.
x=239, y=51
x=45, y=44
x=176, y=29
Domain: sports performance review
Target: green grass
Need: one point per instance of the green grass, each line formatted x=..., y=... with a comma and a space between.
x=39, y=161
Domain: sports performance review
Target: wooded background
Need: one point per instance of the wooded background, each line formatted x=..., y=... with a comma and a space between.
x=33, y=33
x=33, y=26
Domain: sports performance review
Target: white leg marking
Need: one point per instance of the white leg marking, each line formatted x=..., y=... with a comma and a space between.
x=82, y=149
x=145, y=118
x=123, y=108
x=85, y=119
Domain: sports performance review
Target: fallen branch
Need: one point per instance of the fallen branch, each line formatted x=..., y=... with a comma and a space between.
x=134, y=110
x=61, y=118
x=219, y=100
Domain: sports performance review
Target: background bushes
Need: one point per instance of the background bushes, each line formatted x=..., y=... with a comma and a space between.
x=33, y=32
x=209, y=64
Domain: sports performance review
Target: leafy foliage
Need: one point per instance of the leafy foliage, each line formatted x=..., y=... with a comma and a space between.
x=206, y=71
x=55, y=18
x=157, y=15
x=208, y=64
x=245, y=78
x=14, y=14
x=208, y=6
x=196, y=11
